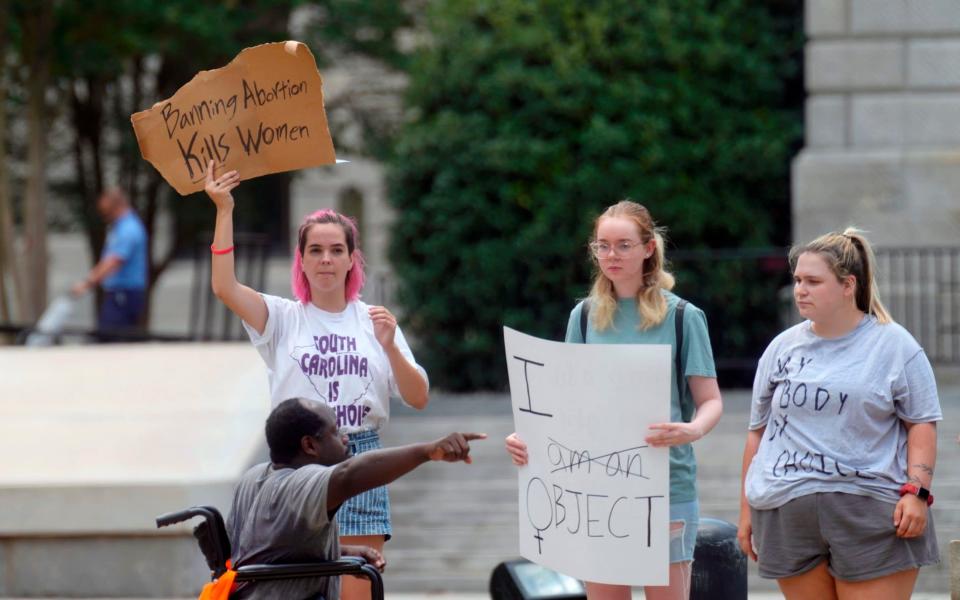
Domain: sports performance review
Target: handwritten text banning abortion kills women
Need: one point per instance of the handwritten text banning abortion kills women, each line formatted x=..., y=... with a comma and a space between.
x=594, y=498
x=262, y=113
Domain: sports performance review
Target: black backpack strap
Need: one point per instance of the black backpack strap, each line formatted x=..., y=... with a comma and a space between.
x=584, y=316
x=678, y=359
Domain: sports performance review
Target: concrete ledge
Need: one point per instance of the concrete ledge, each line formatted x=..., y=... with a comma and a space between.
x=103, y=566
x=142, y=567
x=101, y=510
x=99, y=440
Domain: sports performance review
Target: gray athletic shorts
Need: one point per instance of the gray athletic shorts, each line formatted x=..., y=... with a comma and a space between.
x=854, y=534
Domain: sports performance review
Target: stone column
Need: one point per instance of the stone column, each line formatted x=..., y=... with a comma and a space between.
x=882, y=144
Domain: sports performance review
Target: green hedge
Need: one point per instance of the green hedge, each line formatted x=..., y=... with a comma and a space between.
x=529, y=116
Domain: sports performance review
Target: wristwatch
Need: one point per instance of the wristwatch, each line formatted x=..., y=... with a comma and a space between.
x=921, y=492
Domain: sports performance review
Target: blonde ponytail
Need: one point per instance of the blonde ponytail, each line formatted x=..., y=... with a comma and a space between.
x=868, y=297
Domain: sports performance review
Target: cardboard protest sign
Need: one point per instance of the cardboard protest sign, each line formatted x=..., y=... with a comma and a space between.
x=262, y=113
x=594, y=497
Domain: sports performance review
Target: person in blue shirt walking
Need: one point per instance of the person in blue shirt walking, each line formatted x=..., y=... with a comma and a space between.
x=122, y=268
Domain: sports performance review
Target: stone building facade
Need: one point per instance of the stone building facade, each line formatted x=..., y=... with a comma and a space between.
x=882, y=122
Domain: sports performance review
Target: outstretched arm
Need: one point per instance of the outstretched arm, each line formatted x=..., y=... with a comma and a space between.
x=380, y=467
x=245, y=302
x=107, y=266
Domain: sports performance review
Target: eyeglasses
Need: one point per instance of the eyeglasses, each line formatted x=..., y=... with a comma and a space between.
x=603, y=249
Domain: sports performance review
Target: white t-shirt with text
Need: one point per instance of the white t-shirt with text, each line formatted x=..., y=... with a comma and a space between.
x=333, y=358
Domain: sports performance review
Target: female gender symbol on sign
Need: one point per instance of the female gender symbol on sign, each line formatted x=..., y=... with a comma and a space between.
x=533, y=516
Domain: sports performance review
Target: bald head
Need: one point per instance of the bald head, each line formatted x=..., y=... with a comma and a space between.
x=113, y=202
x=326, y=414
x=294, y=419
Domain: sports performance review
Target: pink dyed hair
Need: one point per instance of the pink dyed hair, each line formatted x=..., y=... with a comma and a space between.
x=355, y=277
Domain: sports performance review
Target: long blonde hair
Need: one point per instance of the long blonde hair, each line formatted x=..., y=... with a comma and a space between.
x=849, y=253
x=651, y=304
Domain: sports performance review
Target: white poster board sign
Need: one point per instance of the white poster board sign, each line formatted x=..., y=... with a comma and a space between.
x=594, y=497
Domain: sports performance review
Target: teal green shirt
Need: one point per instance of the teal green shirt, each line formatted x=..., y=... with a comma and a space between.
x=697, y=360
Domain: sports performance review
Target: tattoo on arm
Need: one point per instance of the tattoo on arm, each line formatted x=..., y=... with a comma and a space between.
x=913, y=479
x=925, y=468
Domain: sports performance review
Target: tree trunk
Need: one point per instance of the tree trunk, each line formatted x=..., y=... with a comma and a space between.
x=8, y=265
x=38, y=29
x=170, y=77
x=86, y=110
x=87, y=99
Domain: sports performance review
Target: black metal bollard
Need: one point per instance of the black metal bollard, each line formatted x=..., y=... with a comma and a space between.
x=719, y=566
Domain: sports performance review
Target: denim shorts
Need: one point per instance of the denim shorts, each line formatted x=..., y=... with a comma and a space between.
x=367, y=513
x=853, y=534
x=683, y=538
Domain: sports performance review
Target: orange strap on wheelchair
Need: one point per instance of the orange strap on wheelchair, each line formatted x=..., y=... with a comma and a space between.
x=221, y=588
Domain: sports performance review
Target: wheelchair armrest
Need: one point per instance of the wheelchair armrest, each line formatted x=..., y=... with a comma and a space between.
x=346, y=566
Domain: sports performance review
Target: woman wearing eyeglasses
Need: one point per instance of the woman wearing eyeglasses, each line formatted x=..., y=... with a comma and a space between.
x=631, y=303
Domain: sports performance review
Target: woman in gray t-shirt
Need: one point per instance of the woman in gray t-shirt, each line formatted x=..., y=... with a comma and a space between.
x=842, y=443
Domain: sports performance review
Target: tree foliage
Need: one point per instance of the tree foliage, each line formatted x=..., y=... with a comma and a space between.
x=109, y=59
x=529, y=116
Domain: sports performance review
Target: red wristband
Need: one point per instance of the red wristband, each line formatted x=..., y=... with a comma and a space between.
x=921, y=492
x=224, y=251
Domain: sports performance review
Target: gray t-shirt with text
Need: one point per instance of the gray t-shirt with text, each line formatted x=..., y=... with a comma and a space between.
x=280, y=516
x=834, y=412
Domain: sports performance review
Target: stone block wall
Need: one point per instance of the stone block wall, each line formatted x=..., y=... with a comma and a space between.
x=882, y=121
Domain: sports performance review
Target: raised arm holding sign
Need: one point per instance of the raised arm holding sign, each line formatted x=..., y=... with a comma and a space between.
x=326, y=345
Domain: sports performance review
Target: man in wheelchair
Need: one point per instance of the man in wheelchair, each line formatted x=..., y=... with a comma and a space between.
x=283, y=511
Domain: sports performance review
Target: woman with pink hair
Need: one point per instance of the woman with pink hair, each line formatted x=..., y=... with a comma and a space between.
x=326, y=345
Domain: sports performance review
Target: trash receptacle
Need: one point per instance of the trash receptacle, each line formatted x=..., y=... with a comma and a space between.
x=719, y=566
